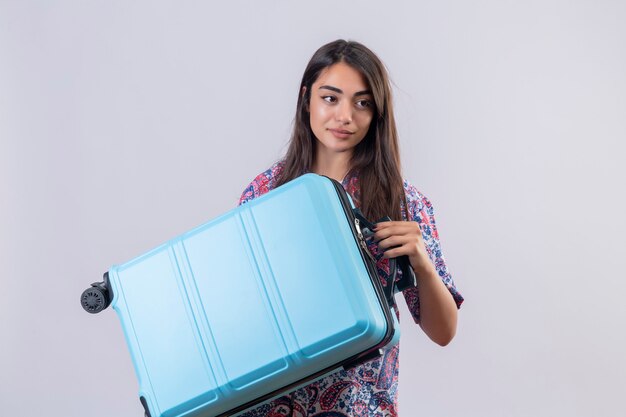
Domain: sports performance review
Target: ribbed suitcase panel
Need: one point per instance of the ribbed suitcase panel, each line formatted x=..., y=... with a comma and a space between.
x=310, y=279
x=169, y=355
x=259, y=298
x=235, y=305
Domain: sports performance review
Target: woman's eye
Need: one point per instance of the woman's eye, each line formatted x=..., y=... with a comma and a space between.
x=329, y=99
x=364, y=104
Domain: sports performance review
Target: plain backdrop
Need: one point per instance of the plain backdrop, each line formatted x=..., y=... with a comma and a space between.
x=126, y=123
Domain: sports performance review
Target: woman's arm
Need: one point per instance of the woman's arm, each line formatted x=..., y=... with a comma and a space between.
x=438, y=309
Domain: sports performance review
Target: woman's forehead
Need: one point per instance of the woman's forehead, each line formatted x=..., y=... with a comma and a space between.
x=342, y=76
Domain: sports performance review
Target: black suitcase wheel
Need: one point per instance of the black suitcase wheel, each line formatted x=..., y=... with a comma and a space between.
x=95, y=298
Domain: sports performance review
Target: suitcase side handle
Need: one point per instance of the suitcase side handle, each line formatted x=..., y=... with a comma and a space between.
x=407, y=279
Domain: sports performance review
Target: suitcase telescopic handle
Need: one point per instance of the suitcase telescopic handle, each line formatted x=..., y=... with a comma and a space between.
x=407, y=279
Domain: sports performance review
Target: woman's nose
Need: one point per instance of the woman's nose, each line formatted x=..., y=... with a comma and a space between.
x=344, y=112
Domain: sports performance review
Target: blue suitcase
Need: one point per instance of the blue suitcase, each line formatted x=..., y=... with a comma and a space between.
x=259, y=301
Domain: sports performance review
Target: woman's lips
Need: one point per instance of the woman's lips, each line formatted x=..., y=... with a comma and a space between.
x=341, y=133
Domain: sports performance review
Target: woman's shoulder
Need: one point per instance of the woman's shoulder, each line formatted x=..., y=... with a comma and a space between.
x=413, y=194
x=262, y=183
x=417, y=201
x=269, y=177
x=420, y=210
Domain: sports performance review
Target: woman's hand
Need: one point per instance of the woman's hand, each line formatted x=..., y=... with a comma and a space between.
x=438, y=311
x=399, y=238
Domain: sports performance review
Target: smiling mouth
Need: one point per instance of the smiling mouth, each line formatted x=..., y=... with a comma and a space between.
x=341, y=133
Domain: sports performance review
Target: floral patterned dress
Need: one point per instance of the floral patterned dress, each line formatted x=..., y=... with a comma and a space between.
x=370, y=389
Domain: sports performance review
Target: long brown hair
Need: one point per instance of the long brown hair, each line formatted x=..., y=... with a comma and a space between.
x=376, y=159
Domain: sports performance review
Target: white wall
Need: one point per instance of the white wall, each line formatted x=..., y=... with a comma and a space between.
x=123, y=124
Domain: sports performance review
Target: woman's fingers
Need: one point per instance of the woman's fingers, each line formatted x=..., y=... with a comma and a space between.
x=395, y=252
x=386, y=229
x=400, y=238
x=403, y=238
x=396, y=240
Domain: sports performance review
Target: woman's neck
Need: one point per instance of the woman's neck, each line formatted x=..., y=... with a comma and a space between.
x=335, y=166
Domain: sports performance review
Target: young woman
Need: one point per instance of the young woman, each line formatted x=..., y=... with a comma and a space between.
x=345, y=129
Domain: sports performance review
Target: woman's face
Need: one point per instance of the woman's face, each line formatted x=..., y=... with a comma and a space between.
x=341, y=108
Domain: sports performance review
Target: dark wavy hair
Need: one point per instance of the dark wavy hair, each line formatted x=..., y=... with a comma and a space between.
x=376, y=159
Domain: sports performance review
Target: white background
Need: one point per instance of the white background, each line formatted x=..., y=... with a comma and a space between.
x=125, y=123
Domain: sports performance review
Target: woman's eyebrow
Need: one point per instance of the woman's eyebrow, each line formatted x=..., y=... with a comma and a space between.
x=339, y=91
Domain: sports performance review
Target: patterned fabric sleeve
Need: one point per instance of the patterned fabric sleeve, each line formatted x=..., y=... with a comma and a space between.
x=263, y=183
x=421, y=210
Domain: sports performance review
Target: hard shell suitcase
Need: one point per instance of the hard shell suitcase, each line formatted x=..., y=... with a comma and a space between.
x=256, y=302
